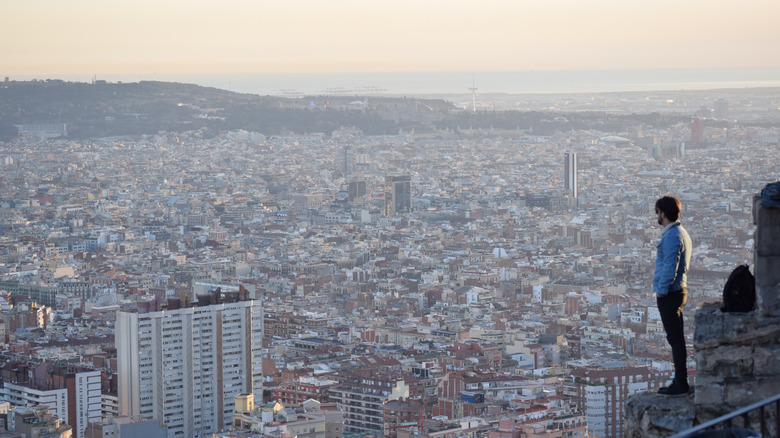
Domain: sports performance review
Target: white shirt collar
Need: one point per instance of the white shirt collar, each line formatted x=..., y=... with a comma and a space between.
x=673, y=224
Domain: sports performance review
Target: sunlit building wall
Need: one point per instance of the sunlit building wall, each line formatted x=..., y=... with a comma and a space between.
x=186, y=366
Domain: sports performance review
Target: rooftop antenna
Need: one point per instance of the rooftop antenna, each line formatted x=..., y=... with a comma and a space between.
x=473, y=94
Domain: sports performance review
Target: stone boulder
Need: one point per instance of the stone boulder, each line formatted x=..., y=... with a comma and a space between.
x=652, y=415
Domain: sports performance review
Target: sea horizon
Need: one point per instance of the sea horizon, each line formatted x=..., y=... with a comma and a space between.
x=455, y=82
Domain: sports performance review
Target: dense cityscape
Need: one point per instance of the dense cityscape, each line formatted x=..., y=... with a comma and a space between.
x=471, y=282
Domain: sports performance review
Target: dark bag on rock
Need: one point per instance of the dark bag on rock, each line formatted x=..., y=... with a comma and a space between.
x=739, y=294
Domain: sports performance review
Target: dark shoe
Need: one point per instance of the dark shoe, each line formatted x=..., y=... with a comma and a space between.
x=666, y=388
x=674, y=389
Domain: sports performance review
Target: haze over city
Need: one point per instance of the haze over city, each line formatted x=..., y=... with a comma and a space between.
x=364, y=219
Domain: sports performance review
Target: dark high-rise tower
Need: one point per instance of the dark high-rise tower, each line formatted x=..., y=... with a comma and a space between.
x=356, y=189
x=346, y=161
x=570, y=173
x=398, y=194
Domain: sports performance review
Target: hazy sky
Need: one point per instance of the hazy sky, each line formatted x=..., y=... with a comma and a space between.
x=56, y=37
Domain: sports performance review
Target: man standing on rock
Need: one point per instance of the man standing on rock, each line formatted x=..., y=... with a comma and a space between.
x=673, y=257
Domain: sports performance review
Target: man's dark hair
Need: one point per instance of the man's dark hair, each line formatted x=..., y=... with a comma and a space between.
x=670, y=206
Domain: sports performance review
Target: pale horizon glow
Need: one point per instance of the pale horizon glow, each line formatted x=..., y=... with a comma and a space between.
x=145, y=37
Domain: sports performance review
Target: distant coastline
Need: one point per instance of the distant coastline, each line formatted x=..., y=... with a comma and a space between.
x=454, y=83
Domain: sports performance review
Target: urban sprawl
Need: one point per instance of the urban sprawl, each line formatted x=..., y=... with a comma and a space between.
x=458, y=283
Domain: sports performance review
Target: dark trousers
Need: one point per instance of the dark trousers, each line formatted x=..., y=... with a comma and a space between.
x=671, y=309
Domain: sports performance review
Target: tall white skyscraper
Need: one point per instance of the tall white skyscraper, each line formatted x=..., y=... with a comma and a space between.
x=570, y=173
x=185, y=366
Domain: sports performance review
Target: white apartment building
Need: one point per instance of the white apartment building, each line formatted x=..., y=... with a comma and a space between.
x=185, y=366
x=54, y=399
x=88, y=402
x=77, y=409
x=362, y=398
x=603, y=392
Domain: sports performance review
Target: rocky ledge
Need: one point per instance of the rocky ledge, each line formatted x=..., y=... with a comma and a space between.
x=651, y=415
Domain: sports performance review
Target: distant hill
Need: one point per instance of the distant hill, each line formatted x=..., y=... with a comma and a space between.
x=111, y=109
x=107, y=109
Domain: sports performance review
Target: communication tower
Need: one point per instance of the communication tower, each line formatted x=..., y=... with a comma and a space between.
x=473, y=90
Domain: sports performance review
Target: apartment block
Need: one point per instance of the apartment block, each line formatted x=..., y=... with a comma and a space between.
x=71, y=394
x=185, y=366
x=362, y=398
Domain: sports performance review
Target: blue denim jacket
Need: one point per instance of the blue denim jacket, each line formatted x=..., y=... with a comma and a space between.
x=672, y=260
